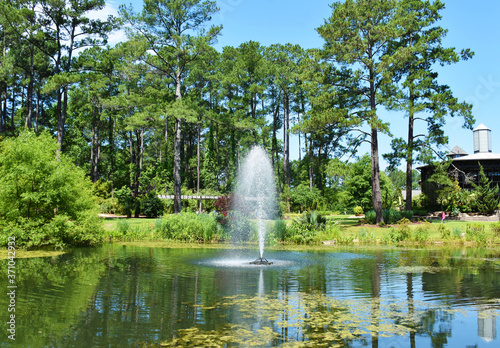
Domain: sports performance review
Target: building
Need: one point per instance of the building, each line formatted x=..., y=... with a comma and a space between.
x=465, y=167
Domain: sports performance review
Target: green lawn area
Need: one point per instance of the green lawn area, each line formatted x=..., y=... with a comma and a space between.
x=112, y=223
x=339, y=227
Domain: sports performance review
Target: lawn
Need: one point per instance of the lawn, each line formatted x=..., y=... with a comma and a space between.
x=343, y=229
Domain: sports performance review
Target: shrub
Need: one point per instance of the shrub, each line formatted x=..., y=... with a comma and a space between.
x=402, y=232
x=475, y=232
x=299, y=233
x=421, y=233
x=280, y=229
x=444, y=232
x=188, y=227
x=457, y=232
x=370, y=217
x=358, y=210
x=126, y=201
x=151, y=205
x=407, y=214
x=390, y=216
x=123, y=226
x=311, y=220
x=495, y=228
x=44, y=198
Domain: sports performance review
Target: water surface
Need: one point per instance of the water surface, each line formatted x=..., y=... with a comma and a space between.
x=126, y=296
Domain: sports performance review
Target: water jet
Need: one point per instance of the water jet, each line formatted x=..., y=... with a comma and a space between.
x=255, y=195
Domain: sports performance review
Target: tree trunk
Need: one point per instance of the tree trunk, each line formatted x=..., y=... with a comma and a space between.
x=166, y=136
x=177, y=167
x=29, y=99
x=198, y=166
x=286, y=127
x=375, y=171
x=310, y=163
x=177, y=146
x=376, y=189
x=409, y=158
x=37, y=111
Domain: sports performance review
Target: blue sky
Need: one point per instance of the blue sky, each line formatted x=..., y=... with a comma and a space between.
x=470, y=25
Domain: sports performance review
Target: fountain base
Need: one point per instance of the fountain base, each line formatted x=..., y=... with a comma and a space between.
x=261, y=261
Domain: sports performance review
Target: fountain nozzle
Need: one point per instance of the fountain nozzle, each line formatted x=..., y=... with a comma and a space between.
x=261, y=261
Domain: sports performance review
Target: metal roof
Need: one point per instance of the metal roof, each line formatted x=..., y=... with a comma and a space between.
x=481, y=127
x=480, y=156
x=457, y=150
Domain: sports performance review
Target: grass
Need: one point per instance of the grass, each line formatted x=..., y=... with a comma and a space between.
x=110, y=224
x=344, y=229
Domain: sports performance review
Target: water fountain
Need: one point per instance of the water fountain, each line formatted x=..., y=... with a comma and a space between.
x=255, y=195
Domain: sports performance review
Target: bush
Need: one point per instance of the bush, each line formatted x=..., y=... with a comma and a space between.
x=126, y=201
x=444, y=232
x=476, y=233
x=370, y=217
x=358, y=210
x=391, y=216
x=421, y=233
x=407, y=214
x=240, y=229
x=299, y=233
x=457, y=232
x=495, y=228
x=402, y=232
x=45, y=200
x=151, y=205
x=188, y=227
x=280, y=229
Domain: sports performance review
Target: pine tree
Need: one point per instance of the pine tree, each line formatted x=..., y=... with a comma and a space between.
x=486, y=197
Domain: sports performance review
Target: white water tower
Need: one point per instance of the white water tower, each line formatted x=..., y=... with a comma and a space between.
x=482, y=139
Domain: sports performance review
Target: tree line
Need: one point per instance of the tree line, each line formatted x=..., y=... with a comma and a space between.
x=165, y=112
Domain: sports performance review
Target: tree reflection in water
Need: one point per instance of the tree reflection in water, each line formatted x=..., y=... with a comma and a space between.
x=152, y=297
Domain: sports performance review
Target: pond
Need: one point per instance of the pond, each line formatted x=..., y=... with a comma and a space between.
x=149, y=296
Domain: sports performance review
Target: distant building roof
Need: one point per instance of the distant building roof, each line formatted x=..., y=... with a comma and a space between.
x=479, y=156
x=457, y=151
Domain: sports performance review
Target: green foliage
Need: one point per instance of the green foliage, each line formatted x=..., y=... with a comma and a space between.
x=495, y=228
x=188, y=227
x=125, y=200
x=312, y=220
x=358, y=185
x=444, y=231
x=45, y=200
x=407, y=214
x=151, y=205
x=421, y=233
x=476, y=233
x=457, y=232
x=280, y=229
x=357, y=210
x=240, y=229
x=299, y=233
x=303, y=199
x=402, y=232
x=391, y=216
x=123, y=226
x=486, y=198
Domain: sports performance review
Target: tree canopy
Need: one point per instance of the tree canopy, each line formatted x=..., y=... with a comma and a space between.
x=164, y=112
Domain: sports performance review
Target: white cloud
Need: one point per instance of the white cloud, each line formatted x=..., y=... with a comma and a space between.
x=111, y=9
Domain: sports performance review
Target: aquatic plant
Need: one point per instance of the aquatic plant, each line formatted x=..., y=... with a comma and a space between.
x=307, y=320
